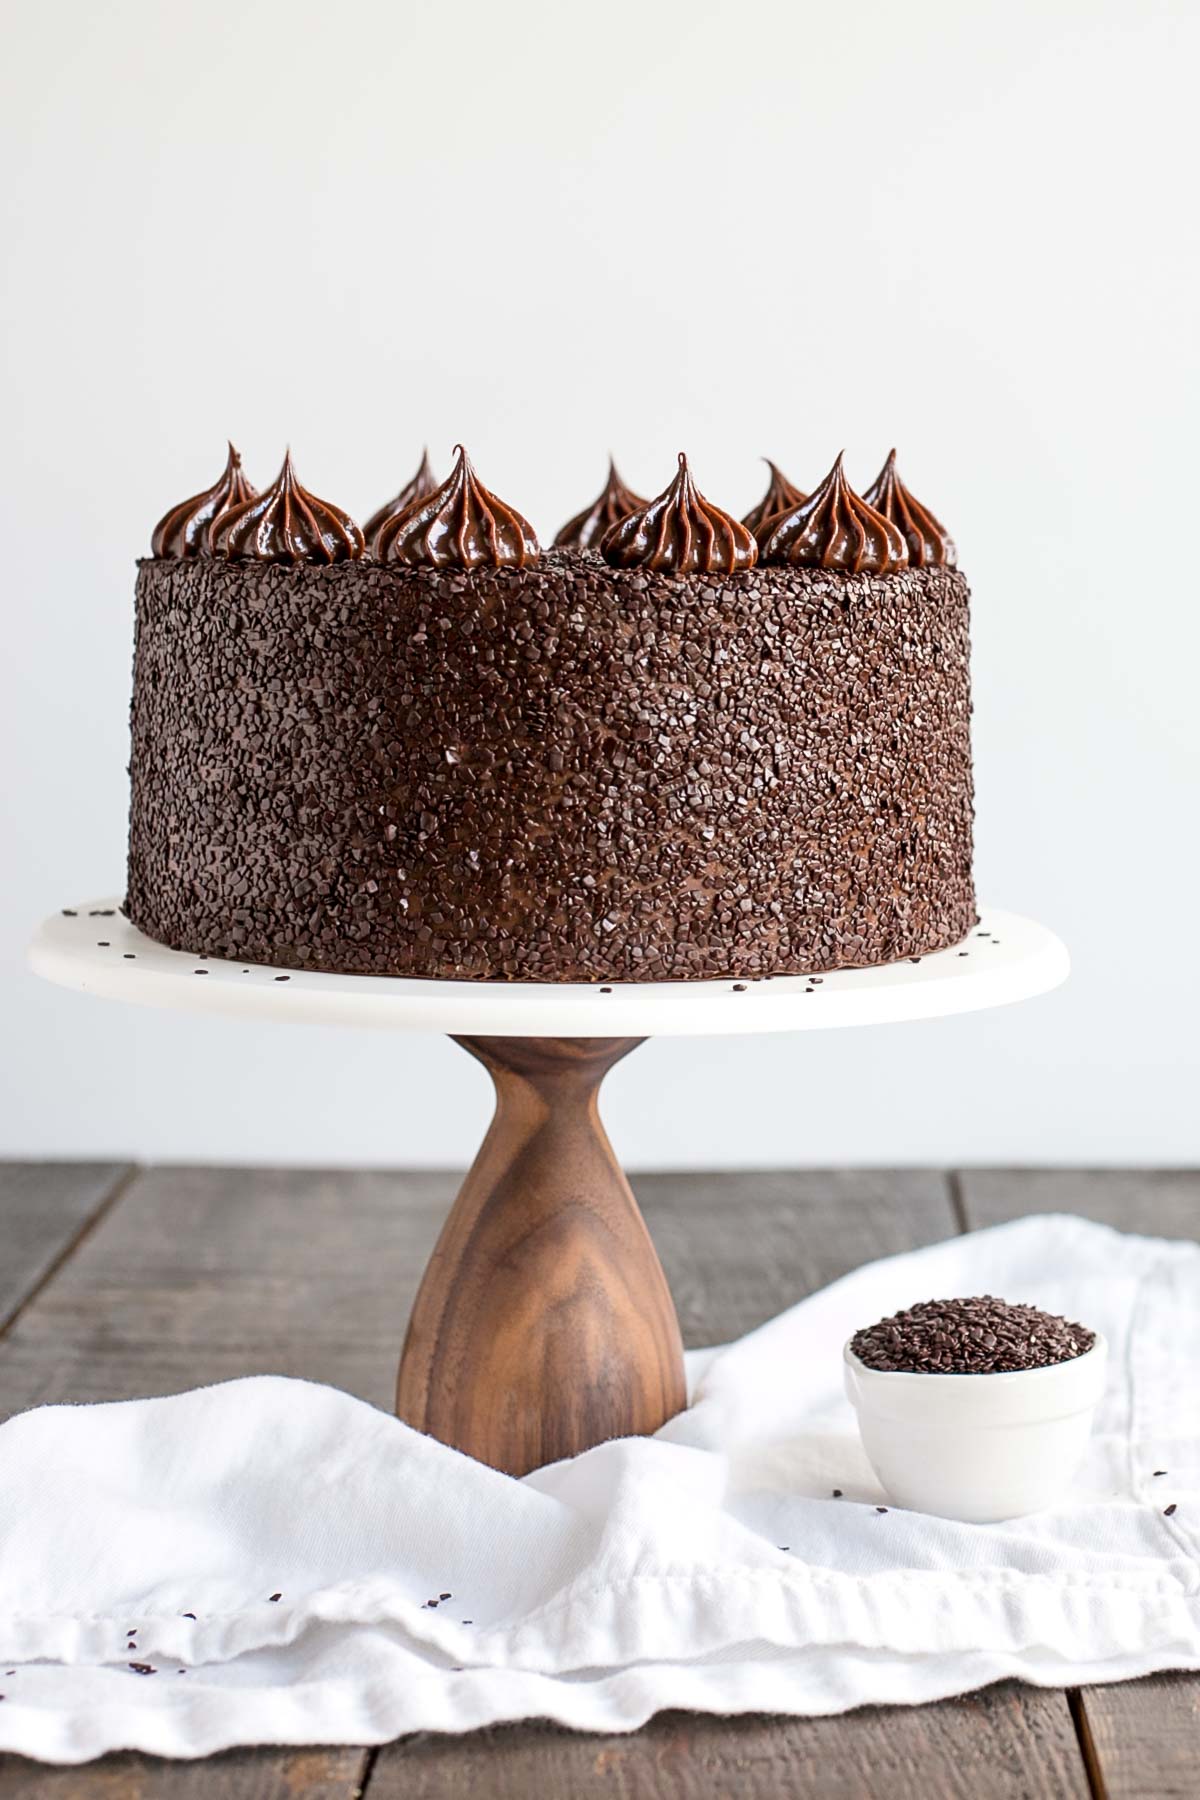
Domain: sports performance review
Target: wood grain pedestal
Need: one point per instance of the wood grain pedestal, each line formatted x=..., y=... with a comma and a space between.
x=543, y=1324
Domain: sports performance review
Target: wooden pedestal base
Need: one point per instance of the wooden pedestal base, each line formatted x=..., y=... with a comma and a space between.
x=543, y=1324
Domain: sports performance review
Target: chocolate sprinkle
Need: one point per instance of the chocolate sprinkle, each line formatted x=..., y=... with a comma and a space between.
x=978, y=1336
x=562, y=772
x=1168, y=1511
x=274, y=1596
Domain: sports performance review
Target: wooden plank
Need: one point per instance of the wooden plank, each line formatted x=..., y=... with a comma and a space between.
x=44, y=1207
x=1159, y=1202
x=234, y=1775
x=1015, y=1743
x=738, y=1249
x=1146, y=1737
x=199, y=1275
x=1142, y=1735
x=990, y=1746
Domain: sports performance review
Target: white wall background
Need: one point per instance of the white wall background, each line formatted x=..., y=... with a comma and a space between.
x=550, y=229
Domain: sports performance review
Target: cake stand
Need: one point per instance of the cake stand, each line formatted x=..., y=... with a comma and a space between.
x=543, y=1323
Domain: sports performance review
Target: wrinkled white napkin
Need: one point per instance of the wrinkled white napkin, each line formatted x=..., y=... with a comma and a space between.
x=351, y=1580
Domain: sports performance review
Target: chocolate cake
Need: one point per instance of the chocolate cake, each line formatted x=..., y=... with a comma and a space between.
x=675, y=746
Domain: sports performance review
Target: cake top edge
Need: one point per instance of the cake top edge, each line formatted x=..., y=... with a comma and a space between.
x=555, y=571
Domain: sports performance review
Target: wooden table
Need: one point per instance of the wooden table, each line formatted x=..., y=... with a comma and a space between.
x=117, y=1281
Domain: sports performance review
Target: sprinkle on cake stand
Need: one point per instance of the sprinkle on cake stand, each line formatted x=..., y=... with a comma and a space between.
x=544, y=1324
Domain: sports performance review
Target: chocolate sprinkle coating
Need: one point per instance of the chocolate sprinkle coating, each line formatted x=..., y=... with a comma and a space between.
x=561, y=772
x=979, y=1336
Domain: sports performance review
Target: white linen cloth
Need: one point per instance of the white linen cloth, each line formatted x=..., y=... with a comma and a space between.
x=709, y=1567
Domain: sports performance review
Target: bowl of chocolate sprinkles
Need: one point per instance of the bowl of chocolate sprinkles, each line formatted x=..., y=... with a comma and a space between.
x=975, y=1408
x=979, y=1336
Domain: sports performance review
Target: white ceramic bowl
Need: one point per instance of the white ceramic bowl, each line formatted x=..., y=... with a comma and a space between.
x=977, y=1447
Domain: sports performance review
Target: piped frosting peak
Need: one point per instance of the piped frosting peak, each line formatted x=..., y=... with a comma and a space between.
x=459, y=526
x=286, y=523
x=780, y=497
x=588, y=527
x=184, y=530
x=423, y=483
x=835, y=528
x=680, y=533
x=927, y=538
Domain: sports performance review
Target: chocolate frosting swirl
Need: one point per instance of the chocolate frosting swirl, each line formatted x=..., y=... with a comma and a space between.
x=184, y=531
x=422, y=484
x=835, y=528
x=459, y=526
x=287, y=524
x=927, y=538
x=681, y=533
x=586, y=529
x=780, y=497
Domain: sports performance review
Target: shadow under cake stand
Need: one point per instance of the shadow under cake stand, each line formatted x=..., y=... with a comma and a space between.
x=544, y=1324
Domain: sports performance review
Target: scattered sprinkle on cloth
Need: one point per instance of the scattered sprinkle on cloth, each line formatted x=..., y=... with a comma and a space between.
x=271, y=1561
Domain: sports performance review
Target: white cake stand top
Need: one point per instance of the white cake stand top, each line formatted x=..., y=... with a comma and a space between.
x=94, y=948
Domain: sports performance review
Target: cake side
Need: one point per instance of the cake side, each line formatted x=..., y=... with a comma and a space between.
x=556, y=772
